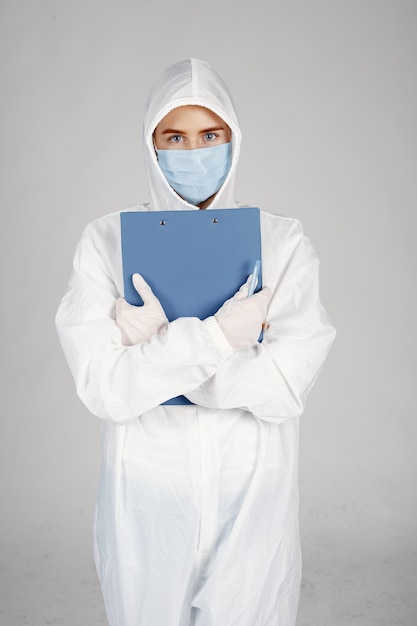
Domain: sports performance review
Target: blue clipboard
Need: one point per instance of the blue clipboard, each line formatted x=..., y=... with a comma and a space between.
x=193, y=260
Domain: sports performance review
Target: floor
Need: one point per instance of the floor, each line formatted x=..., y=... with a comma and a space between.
x=343, y=585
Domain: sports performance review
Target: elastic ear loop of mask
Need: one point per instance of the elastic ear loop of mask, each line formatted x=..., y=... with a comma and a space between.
x=154, y=146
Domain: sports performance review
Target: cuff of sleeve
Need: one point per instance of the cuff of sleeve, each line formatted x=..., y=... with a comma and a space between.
x=223, y=347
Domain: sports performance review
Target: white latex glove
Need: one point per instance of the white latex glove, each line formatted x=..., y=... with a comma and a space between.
x=137, y=324
x=241, y=318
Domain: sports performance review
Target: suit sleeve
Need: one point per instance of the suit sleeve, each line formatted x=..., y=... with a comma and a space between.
x=119, y=382
x=272, y=379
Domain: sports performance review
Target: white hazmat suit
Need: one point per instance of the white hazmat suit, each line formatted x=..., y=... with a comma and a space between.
x=197, y=506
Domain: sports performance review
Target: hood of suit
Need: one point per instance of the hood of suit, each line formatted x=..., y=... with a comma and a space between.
x=188, y=82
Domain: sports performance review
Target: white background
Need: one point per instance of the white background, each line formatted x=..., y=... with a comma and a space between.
x=326, y=92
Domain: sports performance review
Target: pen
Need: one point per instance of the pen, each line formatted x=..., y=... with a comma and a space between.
x=254, y=280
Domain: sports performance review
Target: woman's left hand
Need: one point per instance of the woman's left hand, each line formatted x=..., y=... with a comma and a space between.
x=138, y=324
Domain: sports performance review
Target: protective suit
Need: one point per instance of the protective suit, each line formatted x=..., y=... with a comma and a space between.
x=197, y=506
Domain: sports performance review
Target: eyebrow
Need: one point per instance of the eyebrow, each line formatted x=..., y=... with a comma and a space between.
x=176, y=131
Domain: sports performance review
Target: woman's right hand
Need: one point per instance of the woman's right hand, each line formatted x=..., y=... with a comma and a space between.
x=241, y=318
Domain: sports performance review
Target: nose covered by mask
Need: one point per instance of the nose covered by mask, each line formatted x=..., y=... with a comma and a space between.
x=196, y=174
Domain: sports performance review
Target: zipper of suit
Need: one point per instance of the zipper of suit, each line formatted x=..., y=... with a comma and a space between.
x=209, y=485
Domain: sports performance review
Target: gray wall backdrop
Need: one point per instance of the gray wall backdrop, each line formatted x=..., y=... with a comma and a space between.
x=327, y=96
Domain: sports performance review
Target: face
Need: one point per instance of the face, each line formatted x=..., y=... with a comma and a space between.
x=191, y=127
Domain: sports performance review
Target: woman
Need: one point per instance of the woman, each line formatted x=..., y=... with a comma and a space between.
x=197, y=507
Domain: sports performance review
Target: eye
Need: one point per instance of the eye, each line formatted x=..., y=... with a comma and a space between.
x=175, y=138
x=210, y=136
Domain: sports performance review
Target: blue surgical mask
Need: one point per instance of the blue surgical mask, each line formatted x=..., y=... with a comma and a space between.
x=196, y=174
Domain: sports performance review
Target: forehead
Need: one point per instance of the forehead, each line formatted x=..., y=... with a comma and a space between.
x=190, y=117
